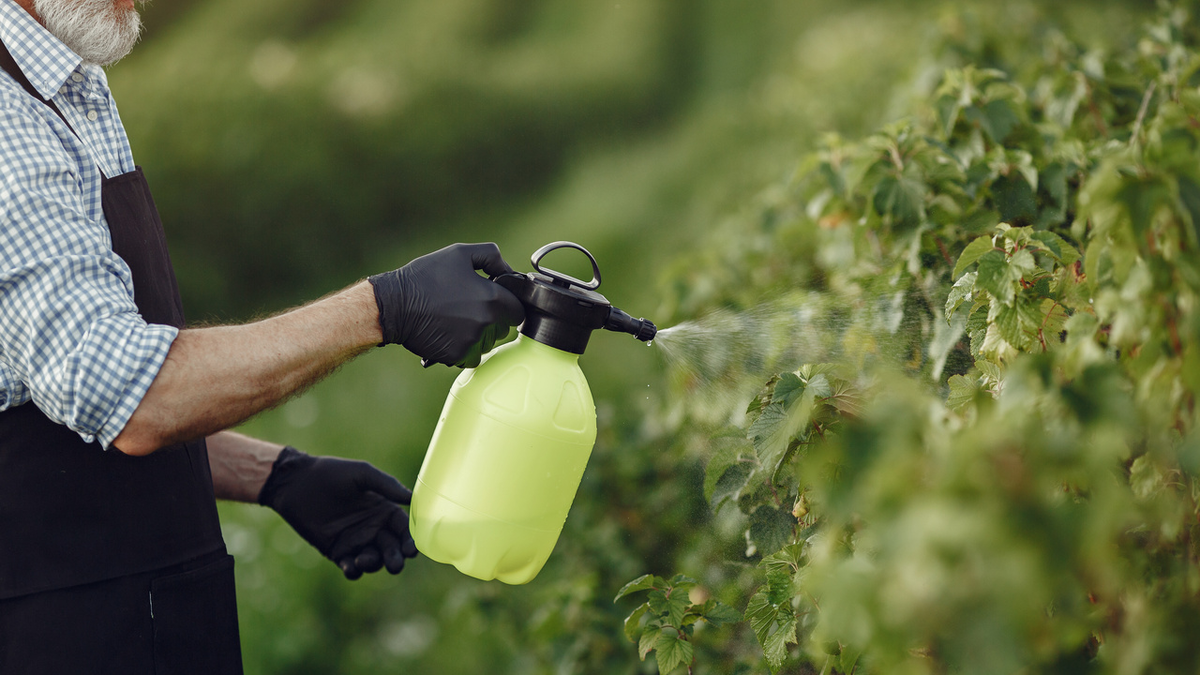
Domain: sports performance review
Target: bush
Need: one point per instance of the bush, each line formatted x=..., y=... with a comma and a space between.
x=979, y=450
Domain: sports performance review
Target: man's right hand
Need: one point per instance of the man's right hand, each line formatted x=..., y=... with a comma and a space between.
x=442, y=310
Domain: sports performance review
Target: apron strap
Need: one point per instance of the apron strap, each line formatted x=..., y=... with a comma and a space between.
x=10, y=66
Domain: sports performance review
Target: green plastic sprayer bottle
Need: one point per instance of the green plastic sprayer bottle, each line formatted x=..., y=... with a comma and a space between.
x=516, y=432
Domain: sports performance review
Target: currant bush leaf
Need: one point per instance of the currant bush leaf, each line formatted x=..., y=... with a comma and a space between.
x=972, y=253
x=962, y=291
x=642, y=583
x=717, y=613
x=672, y=651
x=774, y=625
x=771, y=528
x=670, y=605
x=633, y=622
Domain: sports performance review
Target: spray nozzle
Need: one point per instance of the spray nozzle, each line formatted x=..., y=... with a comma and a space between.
x=562, y=311
x=621, y=322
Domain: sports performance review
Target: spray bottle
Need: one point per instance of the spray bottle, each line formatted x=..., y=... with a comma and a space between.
x=516, y=432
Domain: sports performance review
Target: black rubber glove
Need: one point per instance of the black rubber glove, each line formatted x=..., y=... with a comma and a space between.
x=348, y=510
x=440, y=309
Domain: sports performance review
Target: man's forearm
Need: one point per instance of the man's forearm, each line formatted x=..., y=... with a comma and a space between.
x=240, y=465
x=215, y=378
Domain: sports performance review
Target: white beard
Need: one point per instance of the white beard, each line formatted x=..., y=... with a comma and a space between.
x=96, y=30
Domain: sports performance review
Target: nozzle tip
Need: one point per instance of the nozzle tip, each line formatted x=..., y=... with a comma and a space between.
x=648, y=330
x=621, y=322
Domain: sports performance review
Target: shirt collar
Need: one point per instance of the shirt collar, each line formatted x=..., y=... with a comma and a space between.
x=43, y=58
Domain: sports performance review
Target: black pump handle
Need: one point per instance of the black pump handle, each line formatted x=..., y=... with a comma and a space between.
x=559, y=278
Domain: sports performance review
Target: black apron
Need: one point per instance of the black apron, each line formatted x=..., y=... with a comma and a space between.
x=111, y=563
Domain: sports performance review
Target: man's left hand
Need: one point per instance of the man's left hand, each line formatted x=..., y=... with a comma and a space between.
x=348, y=510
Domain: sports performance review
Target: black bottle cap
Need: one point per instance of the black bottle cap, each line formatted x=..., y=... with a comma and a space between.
x=562, y=311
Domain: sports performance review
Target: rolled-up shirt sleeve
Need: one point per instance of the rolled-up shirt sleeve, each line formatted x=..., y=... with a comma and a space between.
x=71, y=338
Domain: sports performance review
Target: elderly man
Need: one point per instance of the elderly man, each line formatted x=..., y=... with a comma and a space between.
x=113, y=416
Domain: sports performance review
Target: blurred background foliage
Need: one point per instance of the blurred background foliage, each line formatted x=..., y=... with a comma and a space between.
x=296, y=147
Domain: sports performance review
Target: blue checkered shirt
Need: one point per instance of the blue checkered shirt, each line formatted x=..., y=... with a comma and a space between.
x=71, y=338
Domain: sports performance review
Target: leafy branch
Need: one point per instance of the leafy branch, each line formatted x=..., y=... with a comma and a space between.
x=666, y=621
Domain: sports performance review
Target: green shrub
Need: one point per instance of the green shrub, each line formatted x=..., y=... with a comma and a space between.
x=979, y=452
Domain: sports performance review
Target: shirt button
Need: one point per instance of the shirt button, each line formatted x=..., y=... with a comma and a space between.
x=62, y=90
x=78, y=77
x=92, y=115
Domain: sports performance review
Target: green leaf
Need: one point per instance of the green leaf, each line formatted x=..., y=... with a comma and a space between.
x=633, y=621
x=775, y=646
x=1189, y=195
x=1144, y=477
x=1052, y=191
x=977, y=330
x=947, y=111
x=1142, y=199
x=962, y=291
x=900, y=198
x=1041, y=287
x=670, y=606
x=788, y=387
x=992, y=275
x=973, y=252
x=1018, y=324
x=672, y=651
x=975, y=115
x=779, y=585
x=774, y=625
x=1001, y=119
x=642, y=583
x=1053, y=319
x=818, y=386
x=772, y=416
x=1001, y=275
x=1014, y=199
x=649, y=639
x=962, y=392
x=980, y=220
x=771, y=529
x=728, y=453
x=990, y=370
x=787, y=559
x=1021, y=264
x=717, y=613
x=946, y=337
x=836, y=182
x=848, y=659
x=683, y=582
x=771, y=428
x=772, y=432
x=730, y=485
x=1063, y=252
x=788, y=414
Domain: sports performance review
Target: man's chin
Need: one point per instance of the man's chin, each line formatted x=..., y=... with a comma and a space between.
x=99, y=32
x=106, y=57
